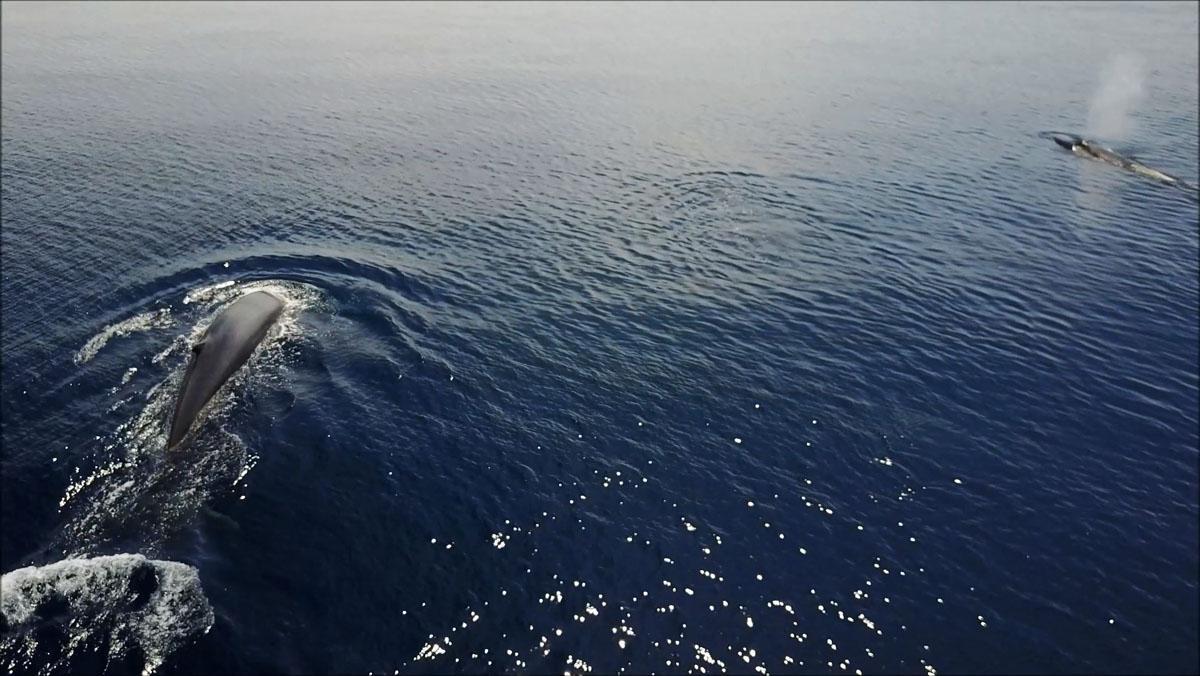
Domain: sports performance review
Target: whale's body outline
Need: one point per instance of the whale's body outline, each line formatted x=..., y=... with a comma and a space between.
x=1084, y=148
x=227, y=343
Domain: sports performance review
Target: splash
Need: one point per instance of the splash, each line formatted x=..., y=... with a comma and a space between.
x=1122, y=89
x=119, y=608
x=136, y=492
x=157, y=319
x=207, y=293
x=296, y=297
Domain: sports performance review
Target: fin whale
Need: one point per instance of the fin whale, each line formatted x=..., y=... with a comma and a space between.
x=1084, y=148
x=227, y=344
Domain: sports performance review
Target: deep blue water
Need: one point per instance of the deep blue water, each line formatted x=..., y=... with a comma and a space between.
x=620, y=338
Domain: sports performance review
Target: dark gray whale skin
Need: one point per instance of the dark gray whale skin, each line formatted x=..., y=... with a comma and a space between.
x=1084, y=148
x=227, y=344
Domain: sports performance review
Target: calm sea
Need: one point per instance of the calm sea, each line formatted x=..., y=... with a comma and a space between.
x=620, y=338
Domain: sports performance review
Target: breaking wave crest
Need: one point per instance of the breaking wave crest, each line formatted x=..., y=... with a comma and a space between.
x=78, y=615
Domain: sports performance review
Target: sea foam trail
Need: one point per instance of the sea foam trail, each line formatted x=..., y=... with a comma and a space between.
x=75, y=613
x=131, y=488
x=156, y=319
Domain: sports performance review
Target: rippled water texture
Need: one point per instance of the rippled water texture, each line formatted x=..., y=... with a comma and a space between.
x=619, y=338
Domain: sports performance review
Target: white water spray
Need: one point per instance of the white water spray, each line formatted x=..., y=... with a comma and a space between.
x=1122, y=89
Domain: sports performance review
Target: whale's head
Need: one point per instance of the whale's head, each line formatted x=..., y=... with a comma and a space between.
x=1068, y=142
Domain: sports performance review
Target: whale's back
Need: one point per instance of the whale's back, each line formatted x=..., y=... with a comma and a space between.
x=227, y=344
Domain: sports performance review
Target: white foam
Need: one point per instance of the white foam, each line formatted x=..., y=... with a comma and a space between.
x=156, y=319
x=135, y=486
x=205, y=293
x=295, y=295
x=166, y=352
x=108, y=604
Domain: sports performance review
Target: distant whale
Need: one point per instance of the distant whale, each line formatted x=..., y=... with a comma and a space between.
x=1084, y=148
x=227, y=344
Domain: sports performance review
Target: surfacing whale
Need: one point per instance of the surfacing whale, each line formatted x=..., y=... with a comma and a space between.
x=1084, y=148
x=227, y=344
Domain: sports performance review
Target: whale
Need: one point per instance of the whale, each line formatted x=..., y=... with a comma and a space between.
x=225, y=346
x=1094, y=151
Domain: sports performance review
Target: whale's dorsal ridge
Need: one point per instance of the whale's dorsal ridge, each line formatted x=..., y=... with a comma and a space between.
x=1085, y=148
x=227, y=343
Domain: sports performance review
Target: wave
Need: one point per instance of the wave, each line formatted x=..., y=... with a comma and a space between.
x=69, y=615
x=157, y=319
x=136, y=493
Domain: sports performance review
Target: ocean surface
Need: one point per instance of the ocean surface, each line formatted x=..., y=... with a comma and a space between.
x=619, y=339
